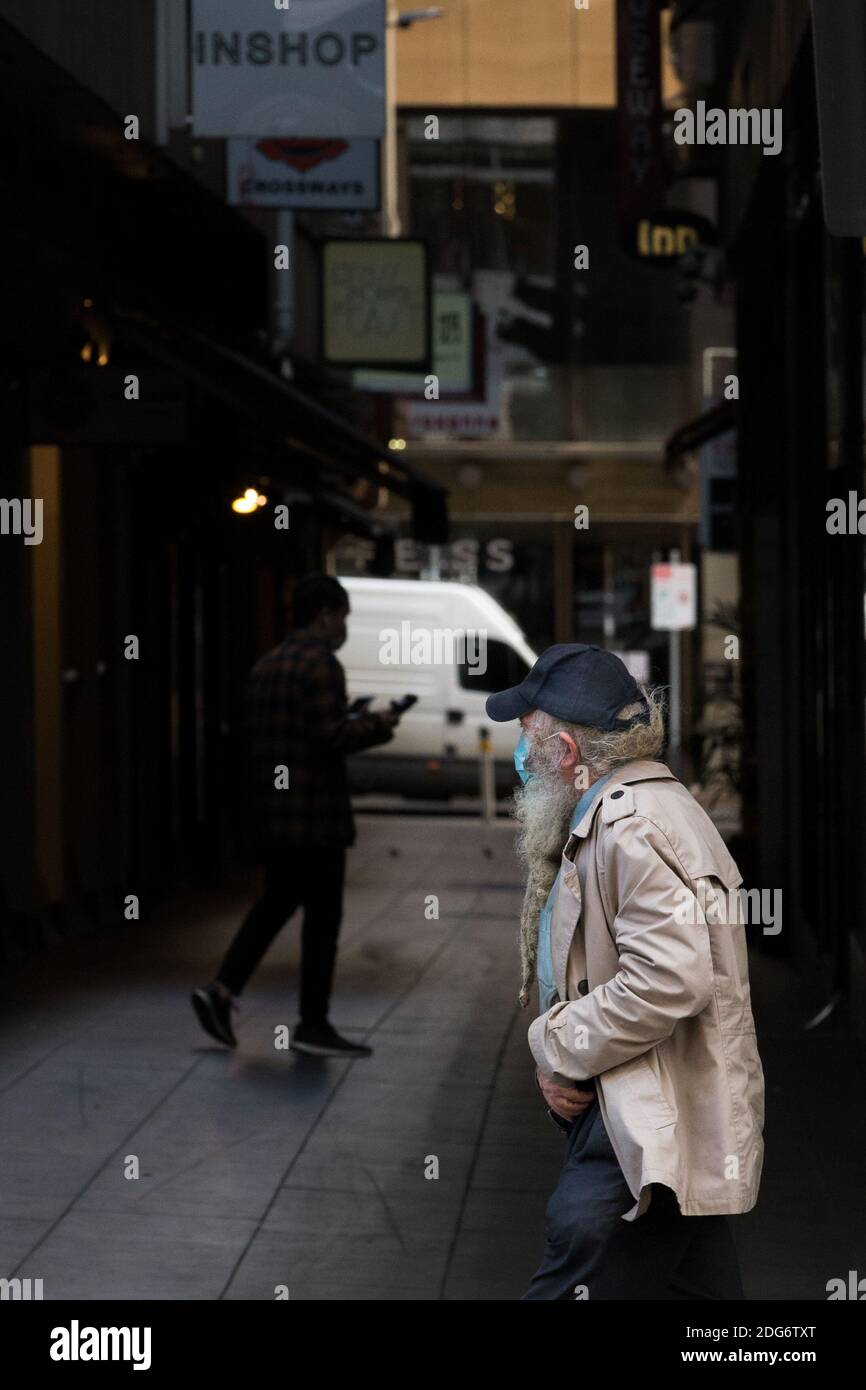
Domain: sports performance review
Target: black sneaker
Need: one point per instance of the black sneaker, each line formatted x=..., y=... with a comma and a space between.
x=214, y=1014
x=321, y=1040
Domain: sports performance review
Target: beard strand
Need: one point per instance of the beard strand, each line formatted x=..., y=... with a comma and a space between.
x=543, y=809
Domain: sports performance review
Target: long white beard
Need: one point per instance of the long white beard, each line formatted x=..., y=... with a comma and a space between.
x=543, y=808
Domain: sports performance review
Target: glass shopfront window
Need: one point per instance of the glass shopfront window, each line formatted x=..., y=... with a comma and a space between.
x=514, y=564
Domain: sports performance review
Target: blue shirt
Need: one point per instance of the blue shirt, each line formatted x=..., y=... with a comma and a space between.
x=548, y=995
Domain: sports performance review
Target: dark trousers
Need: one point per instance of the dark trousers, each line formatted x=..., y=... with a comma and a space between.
x=299, y=876
x=590, y=1252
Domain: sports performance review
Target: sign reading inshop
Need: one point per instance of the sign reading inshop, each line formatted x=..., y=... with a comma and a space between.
x=261, y=71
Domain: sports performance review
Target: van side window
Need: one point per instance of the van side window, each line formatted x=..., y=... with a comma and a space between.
x=504, y=667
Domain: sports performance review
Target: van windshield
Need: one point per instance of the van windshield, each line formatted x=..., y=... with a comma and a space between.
x=504, y=667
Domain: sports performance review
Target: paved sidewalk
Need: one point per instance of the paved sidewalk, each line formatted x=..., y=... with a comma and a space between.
x=260, y=1169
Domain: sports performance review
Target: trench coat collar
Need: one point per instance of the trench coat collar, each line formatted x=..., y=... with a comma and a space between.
x=639, y=770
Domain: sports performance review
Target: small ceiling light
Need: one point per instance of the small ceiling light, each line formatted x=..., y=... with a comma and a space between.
x=87, y=352
x=396, y=444
x=102, y=359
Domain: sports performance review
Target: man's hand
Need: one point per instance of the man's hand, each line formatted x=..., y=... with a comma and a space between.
x=568, y=1102
x=389, y=718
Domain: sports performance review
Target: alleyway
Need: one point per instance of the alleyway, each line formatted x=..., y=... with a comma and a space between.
x=261, y=1169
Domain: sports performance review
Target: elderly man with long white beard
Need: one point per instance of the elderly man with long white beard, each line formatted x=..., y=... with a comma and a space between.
x=645, y=1041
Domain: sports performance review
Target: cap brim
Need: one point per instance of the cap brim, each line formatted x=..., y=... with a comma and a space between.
x=506, y=705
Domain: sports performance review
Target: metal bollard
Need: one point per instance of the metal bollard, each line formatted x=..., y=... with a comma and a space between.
x=487, y=776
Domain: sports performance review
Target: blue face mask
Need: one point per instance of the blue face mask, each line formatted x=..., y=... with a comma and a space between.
x=520, y=753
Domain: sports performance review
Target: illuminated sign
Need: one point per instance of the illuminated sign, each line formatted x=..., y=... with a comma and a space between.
x=665, y=236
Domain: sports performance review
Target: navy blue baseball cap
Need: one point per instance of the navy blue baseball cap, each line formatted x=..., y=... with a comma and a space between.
x=577, y=683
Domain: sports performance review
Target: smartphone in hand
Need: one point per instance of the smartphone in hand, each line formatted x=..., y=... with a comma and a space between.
x=401, y=706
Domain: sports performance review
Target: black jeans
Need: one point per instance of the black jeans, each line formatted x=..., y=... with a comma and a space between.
x=591, y=1253
x=299, y=876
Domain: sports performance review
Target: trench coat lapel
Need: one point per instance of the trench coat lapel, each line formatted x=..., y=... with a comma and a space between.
x=566, y=909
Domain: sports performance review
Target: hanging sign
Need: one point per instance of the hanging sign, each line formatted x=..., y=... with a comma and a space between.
x=317, y=65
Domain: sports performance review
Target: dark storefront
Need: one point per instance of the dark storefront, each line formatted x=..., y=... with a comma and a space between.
x=128, y=631
x=800, y=352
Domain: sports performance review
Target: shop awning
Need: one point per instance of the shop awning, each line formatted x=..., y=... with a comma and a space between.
x=293, y=420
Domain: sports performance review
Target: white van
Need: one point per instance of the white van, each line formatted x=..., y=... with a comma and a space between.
x=451, y=645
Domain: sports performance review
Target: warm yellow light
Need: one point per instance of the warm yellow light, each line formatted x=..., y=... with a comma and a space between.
x=505, y=200
x=88, y=303
x=396, y=444
x=86, y=352
x=251, y=500
x=102, y=359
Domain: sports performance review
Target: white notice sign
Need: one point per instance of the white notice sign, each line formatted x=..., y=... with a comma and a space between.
x=302, y=172
x=315, y=68
x=674, y=597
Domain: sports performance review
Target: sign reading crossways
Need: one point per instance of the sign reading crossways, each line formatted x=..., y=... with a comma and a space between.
x=303, y=172
x=316, y=68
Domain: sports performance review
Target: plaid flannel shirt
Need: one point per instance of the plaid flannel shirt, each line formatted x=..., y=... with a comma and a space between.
x=297, y=718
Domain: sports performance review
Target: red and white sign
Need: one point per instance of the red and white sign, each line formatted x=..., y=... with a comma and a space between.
x=673, y=597
x=341, y=175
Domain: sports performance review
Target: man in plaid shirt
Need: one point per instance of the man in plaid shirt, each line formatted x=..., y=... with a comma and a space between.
x=299, y=733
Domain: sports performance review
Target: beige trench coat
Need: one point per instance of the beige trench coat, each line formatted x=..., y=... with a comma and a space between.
x=649, y=956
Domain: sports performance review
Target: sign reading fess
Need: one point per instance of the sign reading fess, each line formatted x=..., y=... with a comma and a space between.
x=315, y=68
x=673, y=597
